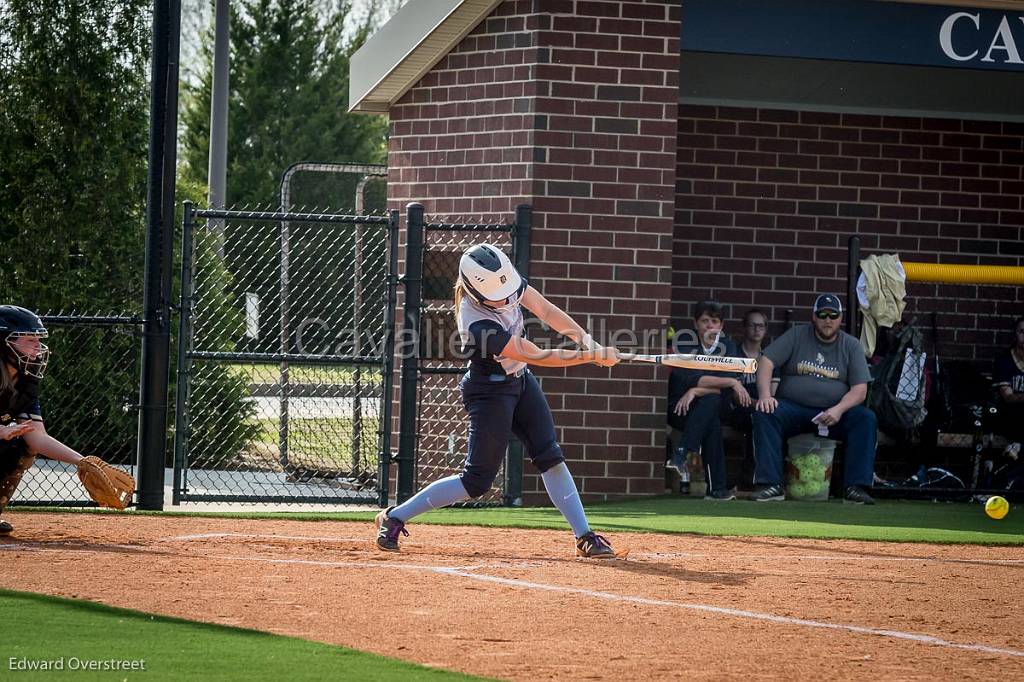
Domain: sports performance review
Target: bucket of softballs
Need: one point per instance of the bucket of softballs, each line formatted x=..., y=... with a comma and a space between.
x=809, y=467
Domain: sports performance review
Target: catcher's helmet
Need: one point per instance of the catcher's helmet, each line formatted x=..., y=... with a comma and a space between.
x=489, y=275
x=16, y=325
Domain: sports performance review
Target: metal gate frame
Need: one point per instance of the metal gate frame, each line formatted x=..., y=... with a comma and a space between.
x=367, y=171
x=414, y=367
x=187, y=353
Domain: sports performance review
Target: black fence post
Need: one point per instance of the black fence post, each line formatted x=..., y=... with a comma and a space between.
x=163, y=121
x=384, y=460
x=521, y=234
x=181, y=421
x=852, y=272
x=410, y=347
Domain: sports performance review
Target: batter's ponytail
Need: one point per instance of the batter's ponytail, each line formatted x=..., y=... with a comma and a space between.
x=460, y=291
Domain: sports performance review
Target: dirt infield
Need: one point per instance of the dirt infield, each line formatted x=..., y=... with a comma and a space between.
x=514, y=604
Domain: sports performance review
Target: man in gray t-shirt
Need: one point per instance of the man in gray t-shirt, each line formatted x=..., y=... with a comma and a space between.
x=824, y=382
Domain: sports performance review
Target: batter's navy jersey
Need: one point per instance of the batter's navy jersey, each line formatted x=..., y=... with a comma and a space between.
x=485, y=332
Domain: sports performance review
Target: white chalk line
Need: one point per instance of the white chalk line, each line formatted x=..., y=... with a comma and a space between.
x=34, y=546
x=635, y=555
x=822, y=557
x=261, y=536
x=754, y=615
x=350, y=564
x=375, y=564
x=464, y=572
x=307, y=562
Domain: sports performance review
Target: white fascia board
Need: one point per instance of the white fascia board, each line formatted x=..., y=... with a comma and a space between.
x=405, y=48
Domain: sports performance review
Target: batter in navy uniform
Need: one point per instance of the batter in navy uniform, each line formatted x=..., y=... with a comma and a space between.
x=502, y=397
x=23, y=359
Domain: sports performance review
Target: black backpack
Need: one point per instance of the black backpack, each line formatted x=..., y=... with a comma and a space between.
x=900, y=408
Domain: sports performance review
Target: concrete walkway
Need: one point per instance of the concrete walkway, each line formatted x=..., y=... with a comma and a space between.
x=54, y=481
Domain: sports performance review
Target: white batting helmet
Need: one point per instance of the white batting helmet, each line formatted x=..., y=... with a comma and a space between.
x=488, y=274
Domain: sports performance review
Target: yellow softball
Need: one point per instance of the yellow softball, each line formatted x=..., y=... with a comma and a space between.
x=997, y=507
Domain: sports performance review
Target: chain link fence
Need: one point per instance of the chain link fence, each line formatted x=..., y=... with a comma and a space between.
x=441, y=425
x=89, y=401
x=287, y=324
x=284, y=363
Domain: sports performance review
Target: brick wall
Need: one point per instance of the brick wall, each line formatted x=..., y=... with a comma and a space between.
x=571, y=106
x=766, y=200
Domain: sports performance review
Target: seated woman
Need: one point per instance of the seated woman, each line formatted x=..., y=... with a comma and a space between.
x=1008, y=379
x=751, y=345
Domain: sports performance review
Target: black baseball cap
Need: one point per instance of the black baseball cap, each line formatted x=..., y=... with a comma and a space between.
x=828, y=302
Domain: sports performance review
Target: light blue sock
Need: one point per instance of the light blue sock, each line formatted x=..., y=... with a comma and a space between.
x=438, y=494
x=562, y=491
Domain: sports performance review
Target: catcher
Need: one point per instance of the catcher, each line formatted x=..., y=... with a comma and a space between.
x=23, y=436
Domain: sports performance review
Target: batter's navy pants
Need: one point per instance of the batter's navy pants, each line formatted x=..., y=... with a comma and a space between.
x=498, y=409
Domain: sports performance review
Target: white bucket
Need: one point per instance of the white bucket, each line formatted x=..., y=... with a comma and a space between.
x=809, y=467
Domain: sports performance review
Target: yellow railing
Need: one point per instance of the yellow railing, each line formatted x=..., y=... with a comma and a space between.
x=951, y=273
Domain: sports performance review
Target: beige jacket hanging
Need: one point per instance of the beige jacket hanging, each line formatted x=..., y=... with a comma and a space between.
x=881, y=288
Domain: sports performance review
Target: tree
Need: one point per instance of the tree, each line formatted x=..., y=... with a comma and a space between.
x=73, y=136
x=288, y=100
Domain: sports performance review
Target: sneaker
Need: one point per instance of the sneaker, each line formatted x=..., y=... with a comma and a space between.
x=857, y=495
x=720, y=495
x=388, y=530
x=771, y=493
x=6, y=528
x=593, y=546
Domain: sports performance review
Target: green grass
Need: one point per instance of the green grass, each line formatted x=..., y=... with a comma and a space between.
x=890, y=520
x=299, y=374
x=322, y=441
x=44, y=628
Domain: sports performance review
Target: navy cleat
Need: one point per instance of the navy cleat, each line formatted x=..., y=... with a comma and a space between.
x=594, y=546
x=388, y=530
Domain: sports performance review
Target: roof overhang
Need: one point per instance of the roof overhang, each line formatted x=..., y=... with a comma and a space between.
x=407, y=47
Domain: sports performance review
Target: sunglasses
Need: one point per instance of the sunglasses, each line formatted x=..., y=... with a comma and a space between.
x=827, y=315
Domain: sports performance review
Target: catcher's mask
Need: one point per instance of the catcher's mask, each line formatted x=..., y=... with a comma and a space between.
x=22, y=333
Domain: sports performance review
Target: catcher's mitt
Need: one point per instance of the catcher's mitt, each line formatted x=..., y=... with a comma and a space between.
x=108, y=486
